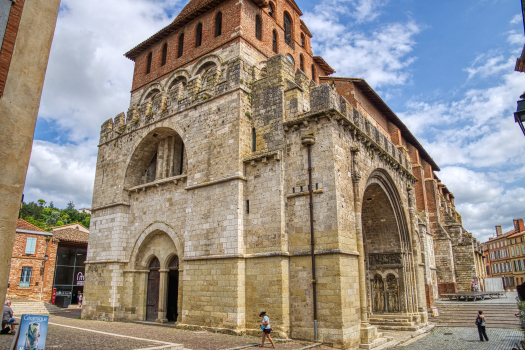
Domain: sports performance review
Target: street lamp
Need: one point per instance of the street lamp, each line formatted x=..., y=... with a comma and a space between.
x=519, y=116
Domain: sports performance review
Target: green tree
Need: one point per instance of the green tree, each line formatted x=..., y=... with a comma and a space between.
x=41, y=202
x=70, y=205
x=53, y=219
x=60, y=223
x=86, y=222
x=65, y=219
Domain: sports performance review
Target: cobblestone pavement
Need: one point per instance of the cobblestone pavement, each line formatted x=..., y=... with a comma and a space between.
x=60, y=337
x=462, y=338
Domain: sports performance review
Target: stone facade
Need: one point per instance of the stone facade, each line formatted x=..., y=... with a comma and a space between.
x=210, y=168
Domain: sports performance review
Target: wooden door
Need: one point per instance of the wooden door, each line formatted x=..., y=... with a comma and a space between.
x=152, y=303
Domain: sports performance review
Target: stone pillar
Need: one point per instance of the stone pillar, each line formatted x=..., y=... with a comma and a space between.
x=19, y=105
x=163, y=296
x=368, y=332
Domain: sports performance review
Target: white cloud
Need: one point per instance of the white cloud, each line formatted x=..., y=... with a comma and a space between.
x=61, y=173
x=486, y=65
x=88, y=78
x=517, y=19
x=87, y=82
x=515, y=38
x=381, y=57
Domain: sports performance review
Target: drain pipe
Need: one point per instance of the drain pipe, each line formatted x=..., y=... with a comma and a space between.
x=309, y=140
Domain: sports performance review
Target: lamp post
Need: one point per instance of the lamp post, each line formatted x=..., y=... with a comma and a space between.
x=519, y=116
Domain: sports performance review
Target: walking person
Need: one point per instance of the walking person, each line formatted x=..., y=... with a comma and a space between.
x=480, y=322
x=266, y=328
x=79, y=299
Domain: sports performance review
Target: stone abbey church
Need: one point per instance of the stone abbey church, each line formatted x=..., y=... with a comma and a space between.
x=244, y=177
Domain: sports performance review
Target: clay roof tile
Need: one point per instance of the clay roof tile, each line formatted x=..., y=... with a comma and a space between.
x=71, y=235
x=24, y=225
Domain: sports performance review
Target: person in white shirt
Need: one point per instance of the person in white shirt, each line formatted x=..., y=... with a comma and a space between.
x=266, y=328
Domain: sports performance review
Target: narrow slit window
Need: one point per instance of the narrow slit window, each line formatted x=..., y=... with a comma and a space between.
x=181, y=45
x=258, y=27
x=301, y=62
x=271, y=10
x=247, y=207
x=218, y=24
x=254, y=140
x=274, y=41
x=313, y=72
x=148, y=67
x=198, y=35
x=287, y=29
x=302, y=40
x=164, y=54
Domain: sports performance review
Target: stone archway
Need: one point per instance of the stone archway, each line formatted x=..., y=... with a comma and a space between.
x=388, y=259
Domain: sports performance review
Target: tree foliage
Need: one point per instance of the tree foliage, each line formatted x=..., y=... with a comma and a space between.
x=46, y=217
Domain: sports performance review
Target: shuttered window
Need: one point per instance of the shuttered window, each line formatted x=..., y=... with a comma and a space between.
x=30, y=245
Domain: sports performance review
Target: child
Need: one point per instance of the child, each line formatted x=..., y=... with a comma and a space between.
x=266, y=328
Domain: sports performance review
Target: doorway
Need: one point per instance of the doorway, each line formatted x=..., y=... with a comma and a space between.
x=152, y=303
x=173, y=289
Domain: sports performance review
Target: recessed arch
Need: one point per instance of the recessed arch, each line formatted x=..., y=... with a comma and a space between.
x=197, y=68
x=152, y=90
x=160, y=154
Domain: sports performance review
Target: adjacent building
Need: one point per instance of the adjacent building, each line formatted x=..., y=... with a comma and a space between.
x=239, y=163
x=505, y=255
x=45, y=261
x=32, y=263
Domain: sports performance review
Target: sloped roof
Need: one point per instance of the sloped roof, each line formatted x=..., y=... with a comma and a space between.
x=24, y=225
x=378, y=102
x=73, y=224
x=192, y=10
x=325, y=66
x=71, y=235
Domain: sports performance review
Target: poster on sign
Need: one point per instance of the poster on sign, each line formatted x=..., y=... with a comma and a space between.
x=435, y=312
x=31, y=333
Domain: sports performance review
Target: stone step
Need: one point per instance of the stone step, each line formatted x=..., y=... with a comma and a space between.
x=392, y=316
x=398, y=328
x=390, y=323
x=390, y=319
x=378, y=342
x=34, y=308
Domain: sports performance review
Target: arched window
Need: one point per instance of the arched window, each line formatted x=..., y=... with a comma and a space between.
x=164, y=54
x=258, y=27
x=301, y=62
x=313, y=72
x=181, y=45
x=302, y=40
x=148, y=67
x=271, y=9
x=198, y=35
x=287, y=29
x=274, y=41
x=290, y=58
x=218, y=24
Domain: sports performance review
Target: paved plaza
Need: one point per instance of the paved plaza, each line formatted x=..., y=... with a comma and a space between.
x=66, y=331
x=463, y=338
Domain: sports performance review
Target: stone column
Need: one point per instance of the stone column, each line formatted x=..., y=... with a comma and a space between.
x=368, y=332
x=163, y=296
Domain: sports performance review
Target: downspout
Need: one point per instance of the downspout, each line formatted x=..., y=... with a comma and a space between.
x=309, y=140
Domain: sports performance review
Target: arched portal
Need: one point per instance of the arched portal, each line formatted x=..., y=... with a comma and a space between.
x=389, y=268
x=152, y=306
x=173, y=289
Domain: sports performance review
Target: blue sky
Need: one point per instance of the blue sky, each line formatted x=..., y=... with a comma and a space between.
x=446, y=68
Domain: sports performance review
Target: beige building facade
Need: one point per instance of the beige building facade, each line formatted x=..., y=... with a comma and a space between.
x=235, y=147
x=26, y=33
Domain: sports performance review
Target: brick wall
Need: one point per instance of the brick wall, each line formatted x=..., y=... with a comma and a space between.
x=8, y=45
x=20, y=259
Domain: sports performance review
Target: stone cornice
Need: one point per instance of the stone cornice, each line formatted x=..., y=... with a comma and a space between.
x=209, y=183
x=270, y=254
x=356, y=134
x=110, y=206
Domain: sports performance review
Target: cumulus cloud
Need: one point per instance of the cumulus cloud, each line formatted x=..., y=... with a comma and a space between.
x=87, y=82
x=381, y=56
x=61, y=173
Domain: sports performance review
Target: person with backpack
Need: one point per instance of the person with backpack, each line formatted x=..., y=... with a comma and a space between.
x=266, y=328
x=480, y=322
